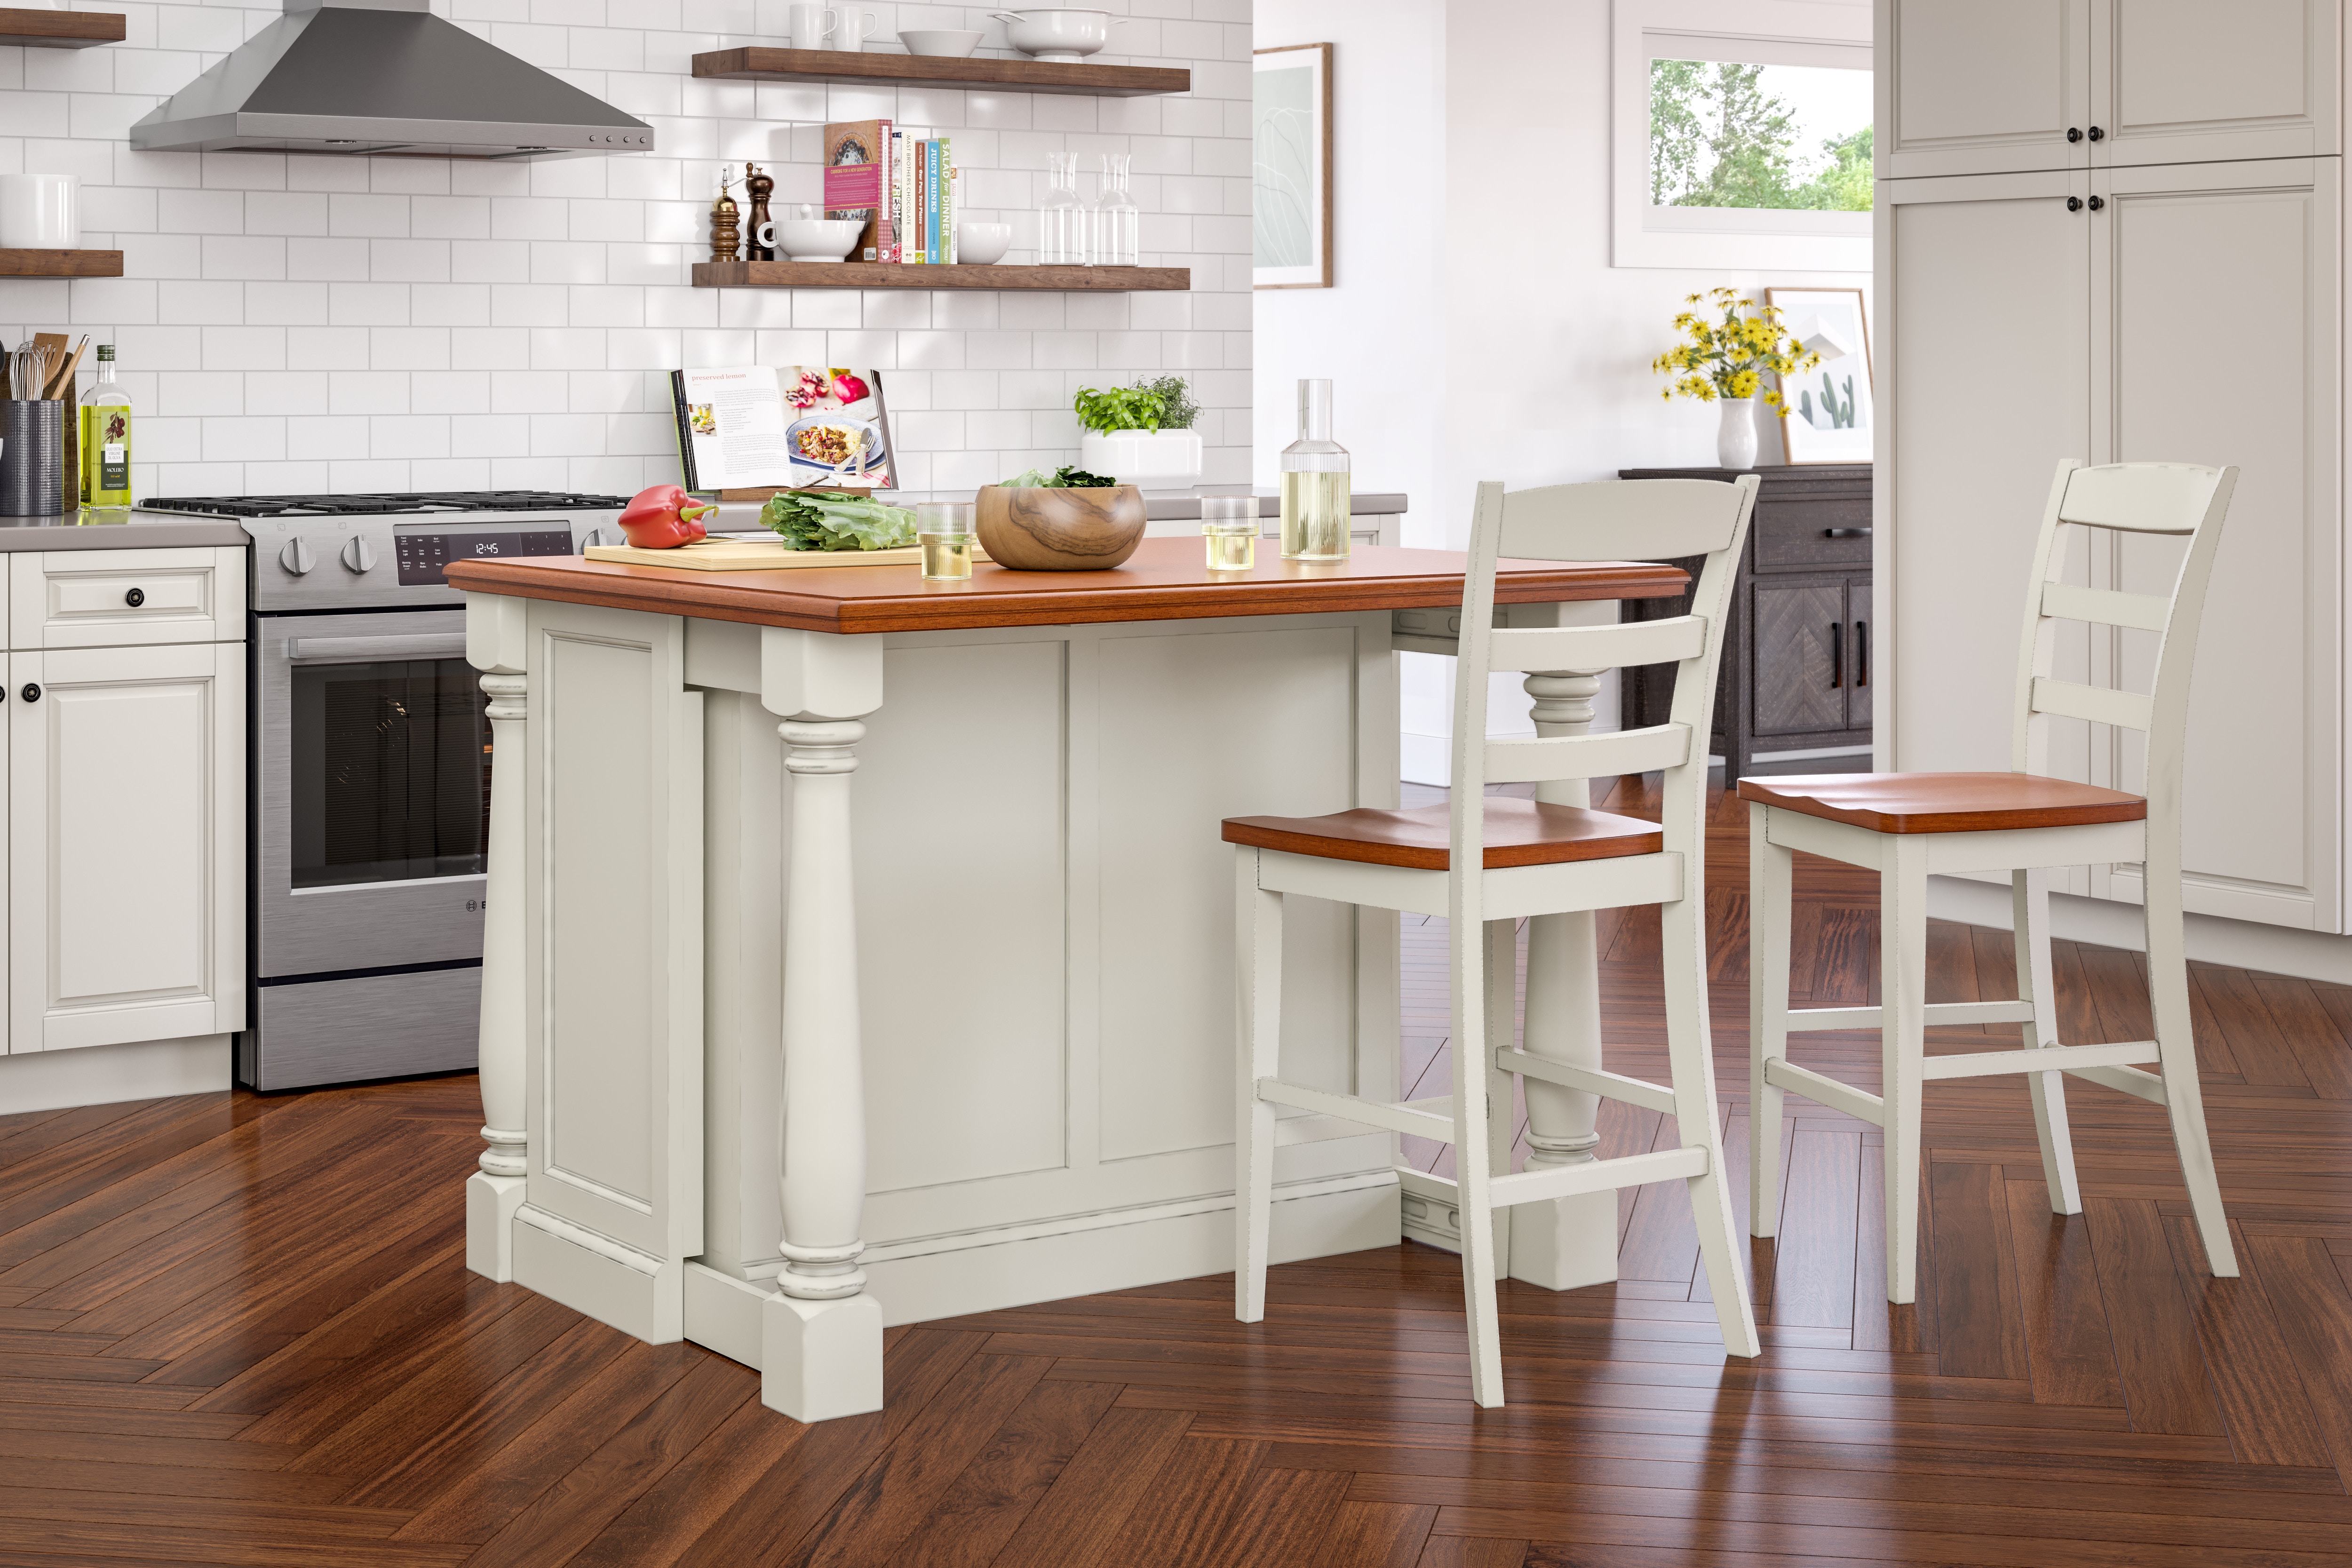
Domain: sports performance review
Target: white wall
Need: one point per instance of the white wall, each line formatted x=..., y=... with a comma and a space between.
x=1477, y=329
x=312, y=323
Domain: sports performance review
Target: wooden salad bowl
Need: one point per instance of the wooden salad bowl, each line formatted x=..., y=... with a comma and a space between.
x=1050, y=529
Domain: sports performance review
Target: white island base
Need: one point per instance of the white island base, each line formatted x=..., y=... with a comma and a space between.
x=989, y=858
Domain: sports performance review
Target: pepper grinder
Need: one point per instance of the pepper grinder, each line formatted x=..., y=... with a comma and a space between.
x=758, y=186
x=726, y=219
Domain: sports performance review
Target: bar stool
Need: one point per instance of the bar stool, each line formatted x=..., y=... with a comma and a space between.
x=1909, y=827
x=1483, y=863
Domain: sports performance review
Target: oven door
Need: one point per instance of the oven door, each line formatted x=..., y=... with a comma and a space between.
x=372, y=799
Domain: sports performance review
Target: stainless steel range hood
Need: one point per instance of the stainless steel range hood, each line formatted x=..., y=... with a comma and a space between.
x=382, y=77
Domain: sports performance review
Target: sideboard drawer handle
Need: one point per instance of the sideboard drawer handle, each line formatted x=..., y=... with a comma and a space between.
x=136, y=598
x=1837, y=655
x=1846, y=533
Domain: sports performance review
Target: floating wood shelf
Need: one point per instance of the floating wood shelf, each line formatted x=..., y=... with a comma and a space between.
x=931, y=70
x=60, y=30
x=60, y=263
x=884, y=274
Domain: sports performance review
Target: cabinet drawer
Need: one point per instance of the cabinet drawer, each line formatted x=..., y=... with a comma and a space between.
x=116, y=598
x=1799, y=535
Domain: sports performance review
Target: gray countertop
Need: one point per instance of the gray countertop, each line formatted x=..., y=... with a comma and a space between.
x=145, y=531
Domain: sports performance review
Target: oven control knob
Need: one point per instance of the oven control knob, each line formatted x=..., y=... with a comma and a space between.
x=359, y=554
x=298, y=557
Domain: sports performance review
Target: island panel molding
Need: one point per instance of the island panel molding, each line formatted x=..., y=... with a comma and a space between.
x=1085, y=78
x=1164, y=580
x=963, y=274
x=59, y=29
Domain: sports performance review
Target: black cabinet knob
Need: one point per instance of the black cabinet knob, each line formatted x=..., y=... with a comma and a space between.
x=2097, y=202
x=32, y=691
x=2073, y=133
x=136, y=598
x=2073, y=203
x=2097, y=134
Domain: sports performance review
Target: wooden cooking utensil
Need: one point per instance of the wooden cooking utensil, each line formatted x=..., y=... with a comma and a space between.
x=62, y=383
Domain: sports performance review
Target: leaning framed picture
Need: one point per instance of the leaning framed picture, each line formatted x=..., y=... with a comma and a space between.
x=1290, y=167
x=1826, y=412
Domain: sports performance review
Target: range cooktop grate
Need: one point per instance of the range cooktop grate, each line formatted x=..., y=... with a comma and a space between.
x=372, y=505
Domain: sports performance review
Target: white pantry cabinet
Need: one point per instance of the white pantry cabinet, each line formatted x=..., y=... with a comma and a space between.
x=2183, y=313
x=2010, y=86
x=125, y=772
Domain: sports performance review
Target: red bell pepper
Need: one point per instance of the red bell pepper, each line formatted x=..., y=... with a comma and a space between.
x=661, y=517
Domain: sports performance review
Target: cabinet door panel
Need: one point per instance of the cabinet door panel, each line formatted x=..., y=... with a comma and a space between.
x=1965, y=459
x=1990, y=87
x=2189, y=82
x=2261, y=823
x=1861, y=624
x=1800, y=669
x=127, y=866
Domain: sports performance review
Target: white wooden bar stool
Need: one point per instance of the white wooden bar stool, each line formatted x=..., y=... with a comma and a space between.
x=1485, y=863
x=1909, y=827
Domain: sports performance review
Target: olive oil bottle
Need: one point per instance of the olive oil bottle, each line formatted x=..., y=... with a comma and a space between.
x=105, y=447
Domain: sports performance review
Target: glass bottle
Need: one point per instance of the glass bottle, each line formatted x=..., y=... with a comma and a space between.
x=1315, y=489
x=1118, y=226
x=105, y=446
x=1061, y=219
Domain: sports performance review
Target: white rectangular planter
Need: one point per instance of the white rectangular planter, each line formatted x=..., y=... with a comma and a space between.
x=1153, y=459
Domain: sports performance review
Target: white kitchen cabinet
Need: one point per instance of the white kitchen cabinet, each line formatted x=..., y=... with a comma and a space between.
x=2006, y=86
x=118, y=598
x=126, y=817
x=2185, y=312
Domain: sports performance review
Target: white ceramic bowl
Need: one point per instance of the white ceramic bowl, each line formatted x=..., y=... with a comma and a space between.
x=817, y=238
x=947, y=43
x=1066, y=37
x=982, y=243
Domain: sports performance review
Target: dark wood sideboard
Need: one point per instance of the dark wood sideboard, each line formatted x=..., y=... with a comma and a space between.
x=1797, y=666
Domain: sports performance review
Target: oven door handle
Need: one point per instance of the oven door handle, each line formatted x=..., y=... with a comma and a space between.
x=370, y=650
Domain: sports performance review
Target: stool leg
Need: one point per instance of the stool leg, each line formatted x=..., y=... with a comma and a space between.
x=1770, y=889
x=1257, y=990
x=1502, y=1014
x=2030, y=903
x=2167, y=987
x=1473, y=1158
x=1903, y=937
x=1690, y=1053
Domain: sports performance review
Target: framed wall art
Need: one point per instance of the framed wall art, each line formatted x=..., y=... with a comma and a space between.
x=1290, y=167
x=1826, y=412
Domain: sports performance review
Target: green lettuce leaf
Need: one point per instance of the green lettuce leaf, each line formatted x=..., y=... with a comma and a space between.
x=812, y=520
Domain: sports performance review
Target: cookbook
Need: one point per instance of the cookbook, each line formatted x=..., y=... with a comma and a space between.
x=755, y=427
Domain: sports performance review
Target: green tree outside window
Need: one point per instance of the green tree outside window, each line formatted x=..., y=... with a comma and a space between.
x=1717, y=139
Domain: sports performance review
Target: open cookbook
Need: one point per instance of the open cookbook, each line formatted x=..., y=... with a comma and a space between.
x=757, y=427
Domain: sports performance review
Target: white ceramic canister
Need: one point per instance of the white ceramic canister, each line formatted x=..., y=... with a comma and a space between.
x=40, y=212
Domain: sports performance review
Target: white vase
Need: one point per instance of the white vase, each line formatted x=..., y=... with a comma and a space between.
x=1149, y=460
x=1735, y=440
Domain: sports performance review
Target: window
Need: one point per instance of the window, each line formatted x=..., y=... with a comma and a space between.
x=1743, y=134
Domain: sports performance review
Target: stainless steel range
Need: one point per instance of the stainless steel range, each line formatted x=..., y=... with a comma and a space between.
x=371, y=770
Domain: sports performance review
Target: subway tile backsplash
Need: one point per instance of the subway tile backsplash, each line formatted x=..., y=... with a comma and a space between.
x=307, y=323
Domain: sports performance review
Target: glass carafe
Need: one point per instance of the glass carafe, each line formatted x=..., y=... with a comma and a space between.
x=1061, y=217
x=1118, y=224
x=1316, y=501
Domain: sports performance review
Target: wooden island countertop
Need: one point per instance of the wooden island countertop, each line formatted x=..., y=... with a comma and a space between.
x=1163, y=581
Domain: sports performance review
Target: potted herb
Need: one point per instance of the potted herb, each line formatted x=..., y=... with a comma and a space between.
x=1143, y=434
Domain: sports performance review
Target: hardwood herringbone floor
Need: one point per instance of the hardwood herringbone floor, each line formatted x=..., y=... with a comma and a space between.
x=237, y=1329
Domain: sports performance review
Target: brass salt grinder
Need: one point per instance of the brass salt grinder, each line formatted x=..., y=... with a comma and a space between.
x=726, y=219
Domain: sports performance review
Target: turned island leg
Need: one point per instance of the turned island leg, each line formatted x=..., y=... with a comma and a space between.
x=1570, y=1241
x=821, y=1334
x=494, y=1192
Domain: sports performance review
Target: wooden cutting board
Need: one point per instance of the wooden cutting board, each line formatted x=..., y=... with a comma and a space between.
x=758, y=555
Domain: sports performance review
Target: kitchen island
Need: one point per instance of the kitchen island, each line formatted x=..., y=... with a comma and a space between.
x=770, y=1061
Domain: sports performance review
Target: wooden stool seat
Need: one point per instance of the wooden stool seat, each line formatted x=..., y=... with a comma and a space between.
x=1519, y=833
x=1945, y=803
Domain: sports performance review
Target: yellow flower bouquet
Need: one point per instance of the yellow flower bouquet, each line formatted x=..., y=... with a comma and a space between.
x=1727, y=358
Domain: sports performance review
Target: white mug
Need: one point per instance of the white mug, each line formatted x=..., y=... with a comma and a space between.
x=40, y=212
x=810, y=25
x=848, y=37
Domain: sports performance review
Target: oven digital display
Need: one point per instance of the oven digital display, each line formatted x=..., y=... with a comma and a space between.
x=421, y=556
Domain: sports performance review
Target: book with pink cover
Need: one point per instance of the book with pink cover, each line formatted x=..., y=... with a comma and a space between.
x=857, y=154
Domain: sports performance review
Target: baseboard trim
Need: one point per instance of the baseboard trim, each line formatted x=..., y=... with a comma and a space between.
x=1344, y=1215
x=633, y=1291
x=113, y=1075
x=2212, y=938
